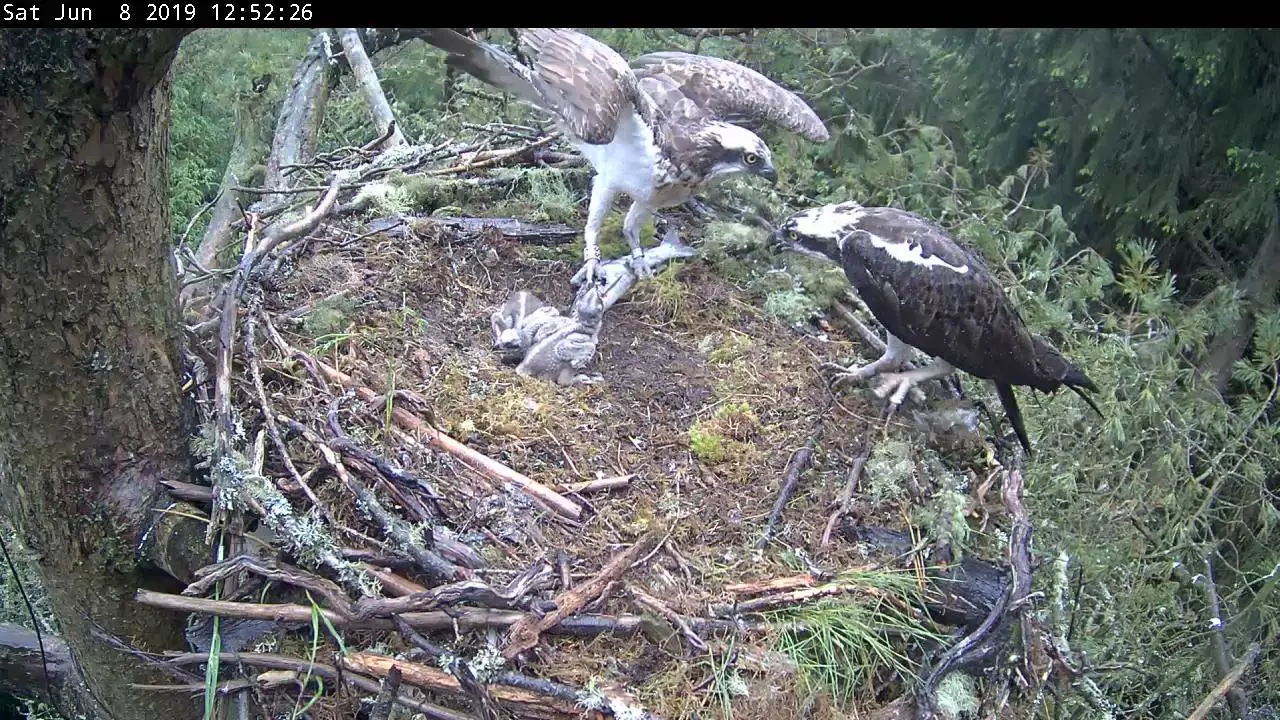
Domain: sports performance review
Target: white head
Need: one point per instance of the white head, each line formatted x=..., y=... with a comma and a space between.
x=736, y=150
x=819, y=231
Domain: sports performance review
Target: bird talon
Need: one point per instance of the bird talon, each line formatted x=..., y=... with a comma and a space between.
x=638, y=265
x=900, y=384
x=587, y=274
x=847, y=374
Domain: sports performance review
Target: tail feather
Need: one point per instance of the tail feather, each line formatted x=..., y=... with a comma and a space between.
x=485, y=62
x=1078, y=382
x=1075, y=377
x=1054, y=371
x=1010, y=403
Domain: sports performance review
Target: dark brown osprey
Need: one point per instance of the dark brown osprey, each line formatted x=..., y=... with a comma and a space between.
x=935, y=295
x=658, y=130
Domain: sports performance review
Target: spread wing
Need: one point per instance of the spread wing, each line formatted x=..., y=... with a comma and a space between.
x=576, y=78
x=686, y=85
x=936, y=295
x=585, y=81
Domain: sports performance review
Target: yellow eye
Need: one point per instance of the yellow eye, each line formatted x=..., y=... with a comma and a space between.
x=751, y=158
x=793, y=234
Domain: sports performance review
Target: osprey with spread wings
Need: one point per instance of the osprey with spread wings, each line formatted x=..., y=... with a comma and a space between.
x=659, y=129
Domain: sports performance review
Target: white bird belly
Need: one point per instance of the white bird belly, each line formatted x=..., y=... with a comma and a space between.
x=627, y=163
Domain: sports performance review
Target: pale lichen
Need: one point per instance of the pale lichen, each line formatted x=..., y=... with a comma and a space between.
x=486, y=664
x=792, y=307
x=889, y=467
x=957, y=696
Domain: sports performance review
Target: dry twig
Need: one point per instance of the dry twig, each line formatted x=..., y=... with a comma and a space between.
x=429, y=560
x=490, y=468
x=672, y=616
x=469, y=591
x=524, y=634
x=459, y=619
x=437, y=680
x=481, y=161
x=303, y=668
x=1225, y=685
x=381, y=709
x=799, y=463
x=1011, y=600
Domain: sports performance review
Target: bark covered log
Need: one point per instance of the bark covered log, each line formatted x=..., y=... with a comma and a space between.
x=299, y=123
x=362, y=68
x=91, y=413
x=512, y=229
x=1259, y=288
x=226, y=209
x=24, y=672
x=962, y=593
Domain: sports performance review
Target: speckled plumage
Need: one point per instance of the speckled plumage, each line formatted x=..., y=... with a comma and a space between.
x=659, y=131
x=560, y=354
x=521, y=321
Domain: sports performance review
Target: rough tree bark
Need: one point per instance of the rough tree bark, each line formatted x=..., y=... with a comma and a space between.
x=362, y=68
x=23, y=668
x=226, y=210
x=299, y=123
x=91, y=415
x=1258, y=287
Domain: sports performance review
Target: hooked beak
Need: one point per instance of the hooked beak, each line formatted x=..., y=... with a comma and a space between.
x=780, y=241
x=769, y=173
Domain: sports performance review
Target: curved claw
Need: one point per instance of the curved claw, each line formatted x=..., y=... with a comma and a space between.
x=897, y=383
x=638, y=265
x=587, y=273
x=849, y=374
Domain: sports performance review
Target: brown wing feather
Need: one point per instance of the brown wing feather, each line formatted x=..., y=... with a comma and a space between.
x=964, y=318
x=577, y=78
x=669, y=99
x=581, y=79
x=725, y=90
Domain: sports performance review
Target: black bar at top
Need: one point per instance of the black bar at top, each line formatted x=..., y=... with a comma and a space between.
x=16, y=14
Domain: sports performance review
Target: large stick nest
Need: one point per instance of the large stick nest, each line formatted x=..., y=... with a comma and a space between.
x=383, y=494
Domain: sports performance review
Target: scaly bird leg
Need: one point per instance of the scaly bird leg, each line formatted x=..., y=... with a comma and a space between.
x=601, y=200
x=895, y=353
x=631, y=231
x=901, y=383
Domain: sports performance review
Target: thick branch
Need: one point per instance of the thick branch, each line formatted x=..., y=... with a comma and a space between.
x=23, y=670
x=1258, y=287
x=458, y=618
x=300, y=116
x=525, y=633
x=226, y=207
x=490, y=468
x=362, y=68
x=1226, y=684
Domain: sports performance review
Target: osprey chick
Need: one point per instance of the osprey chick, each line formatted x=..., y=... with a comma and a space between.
x=520, y=322
x=659, y=130
x=559, y=354
x=935, y=295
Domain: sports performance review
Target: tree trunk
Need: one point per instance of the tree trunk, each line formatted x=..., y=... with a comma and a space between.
x=23, y=669
x=218, y=235
x=363, y=70
x=91, y=414
x=1259, y=287
x=299, y=123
